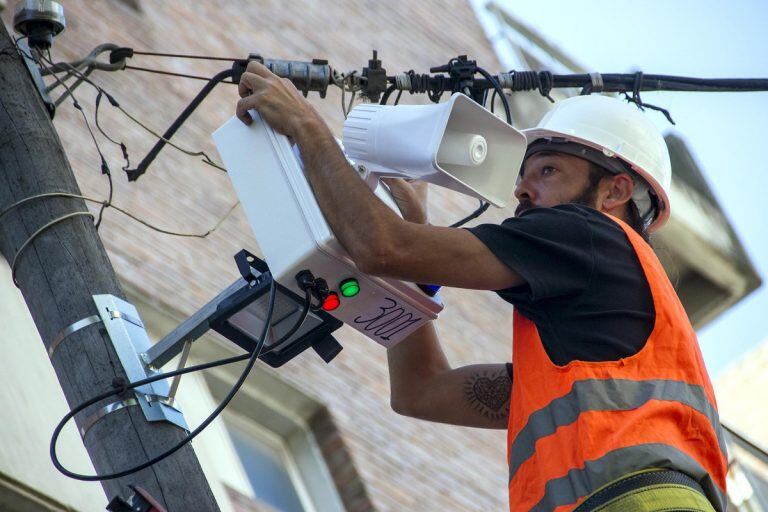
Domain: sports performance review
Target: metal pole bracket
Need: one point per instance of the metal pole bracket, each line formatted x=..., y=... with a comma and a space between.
x=130, y=339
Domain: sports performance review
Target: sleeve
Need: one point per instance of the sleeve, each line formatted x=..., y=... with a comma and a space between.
x=551, y=248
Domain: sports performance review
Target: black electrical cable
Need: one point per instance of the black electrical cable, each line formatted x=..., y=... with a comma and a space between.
x=497, y=88
x=508, y=113
x=475, y=214
x=399, y=95
x=387, y=94
x=252, y=358
x=134, y=174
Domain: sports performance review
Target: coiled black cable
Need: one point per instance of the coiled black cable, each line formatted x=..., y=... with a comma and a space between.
x=252, y=358
x=543, y=81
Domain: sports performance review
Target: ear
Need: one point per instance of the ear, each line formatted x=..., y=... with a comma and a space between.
x=617, y=191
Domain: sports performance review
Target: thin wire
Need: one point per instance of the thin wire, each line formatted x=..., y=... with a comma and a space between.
x=96, y=118
x=123, y=148
x=171, y=73
x=343, y=102
x=346, y=82
x=75, y=103
x=106, y=204
x=173, y=233
x=121, y=210
x=205, y=158
x=104, y=166
x=35, y=235
x=183, y=56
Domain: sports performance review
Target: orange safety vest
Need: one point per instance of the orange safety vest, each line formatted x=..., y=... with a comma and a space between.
x=574, y=428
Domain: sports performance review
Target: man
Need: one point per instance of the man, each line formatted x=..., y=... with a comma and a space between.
x=610, y=407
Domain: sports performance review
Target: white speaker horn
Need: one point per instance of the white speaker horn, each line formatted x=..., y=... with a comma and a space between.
x=456, y=144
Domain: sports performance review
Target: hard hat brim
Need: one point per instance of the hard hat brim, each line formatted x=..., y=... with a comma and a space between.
x=663, y=207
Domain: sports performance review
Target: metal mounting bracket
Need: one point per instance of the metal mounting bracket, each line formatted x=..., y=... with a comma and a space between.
x=34, y=71
x=130, y=339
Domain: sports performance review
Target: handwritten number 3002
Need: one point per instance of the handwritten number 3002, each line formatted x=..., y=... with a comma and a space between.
x=391, y=320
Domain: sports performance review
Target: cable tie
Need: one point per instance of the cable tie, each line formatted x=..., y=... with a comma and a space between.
x=597, y=82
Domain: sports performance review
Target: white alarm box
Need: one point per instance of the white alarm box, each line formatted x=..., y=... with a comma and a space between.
x=293, y=235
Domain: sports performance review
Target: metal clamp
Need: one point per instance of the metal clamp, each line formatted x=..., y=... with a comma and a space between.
x=107, y=409
x=91, y=420
x=130, y=340
x=71, y=329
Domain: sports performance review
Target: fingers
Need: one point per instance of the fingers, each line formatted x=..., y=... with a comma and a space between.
x=257, y=68
x=249, y=83
x=244, y=105
x=250, y=88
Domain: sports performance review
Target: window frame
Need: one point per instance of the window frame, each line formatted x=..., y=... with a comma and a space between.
x=275, y=441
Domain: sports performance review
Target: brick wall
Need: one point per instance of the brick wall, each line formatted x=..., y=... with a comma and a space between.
x=740, y=389
x=341, y=465
x=405, y=464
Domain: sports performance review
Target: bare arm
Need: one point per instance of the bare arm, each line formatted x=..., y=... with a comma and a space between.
x=424, y=386
x=422, y=382
x=379, y=242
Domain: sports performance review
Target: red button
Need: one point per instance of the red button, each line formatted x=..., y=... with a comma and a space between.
x=331, y=302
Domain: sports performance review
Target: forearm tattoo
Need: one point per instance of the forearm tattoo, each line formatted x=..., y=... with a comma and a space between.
x=488, y=392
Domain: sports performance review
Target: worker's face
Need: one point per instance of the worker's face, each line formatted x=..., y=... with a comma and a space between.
x=549, y=179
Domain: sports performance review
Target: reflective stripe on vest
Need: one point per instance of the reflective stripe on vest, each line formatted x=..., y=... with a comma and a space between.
x=581, y=482
x=575, y=428
x=606, y=395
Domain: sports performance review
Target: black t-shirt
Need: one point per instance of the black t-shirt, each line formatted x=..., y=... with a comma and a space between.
x=585, y=289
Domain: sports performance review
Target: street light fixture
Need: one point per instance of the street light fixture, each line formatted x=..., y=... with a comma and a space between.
x=238, y=313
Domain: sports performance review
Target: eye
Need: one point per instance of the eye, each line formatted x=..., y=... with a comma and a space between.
x=548, y=170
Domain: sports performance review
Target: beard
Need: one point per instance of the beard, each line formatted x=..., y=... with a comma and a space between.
x=586, y=197
x=523, y=206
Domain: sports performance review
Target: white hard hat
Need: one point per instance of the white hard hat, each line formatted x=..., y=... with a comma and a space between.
x=618, y=130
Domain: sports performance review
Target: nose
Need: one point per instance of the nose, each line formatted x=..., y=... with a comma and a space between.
x=523, y=190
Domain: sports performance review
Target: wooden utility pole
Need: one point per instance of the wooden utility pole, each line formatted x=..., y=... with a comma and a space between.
x=58, y=273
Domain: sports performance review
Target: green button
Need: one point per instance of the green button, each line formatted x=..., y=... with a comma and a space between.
x=349, y=287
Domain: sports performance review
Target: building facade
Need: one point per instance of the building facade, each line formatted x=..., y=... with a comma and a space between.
x=309, y=435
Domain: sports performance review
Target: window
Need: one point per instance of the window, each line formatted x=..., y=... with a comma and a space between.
x=269, y=466
x=267, y=455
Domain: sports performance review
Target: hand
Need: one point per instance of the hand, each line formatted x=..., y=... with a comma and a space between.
x=410, y=197
x=277, y=100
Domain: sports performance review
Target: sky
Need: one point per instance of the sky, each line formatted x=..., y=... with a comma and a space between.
x=726, y=132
